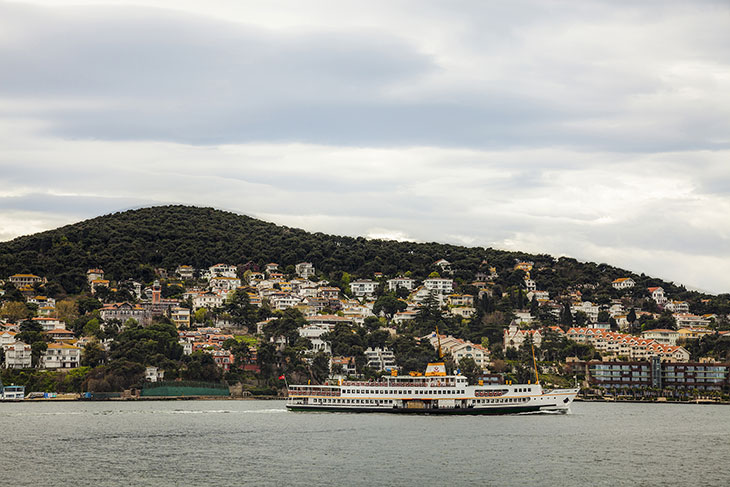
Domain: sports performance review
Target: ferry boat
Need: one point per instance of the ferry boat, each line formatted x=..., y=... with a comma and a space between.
x=431, y=393
x=11, y=392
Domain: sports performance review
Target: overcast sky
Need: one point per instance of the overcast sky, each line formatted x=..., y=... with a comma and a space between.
x=594, y=129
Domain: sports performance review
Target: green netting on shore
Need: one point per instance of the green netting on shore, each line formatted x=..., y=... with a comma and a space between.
x=184, y=389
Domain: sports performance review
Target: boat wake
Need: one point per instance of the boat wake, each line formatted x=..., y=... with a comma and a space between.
x=553, y=412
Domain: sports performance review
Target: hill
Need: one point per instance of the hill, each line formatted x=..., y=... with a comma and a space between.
x=132, y=244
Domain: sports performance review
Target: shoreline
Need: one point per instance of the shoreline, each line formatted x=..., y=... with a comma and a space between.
x=275, y=398
x=654, y=401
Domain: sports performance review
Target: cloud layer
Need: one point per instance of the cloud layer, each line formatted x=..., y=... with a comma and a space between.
x=597, y=130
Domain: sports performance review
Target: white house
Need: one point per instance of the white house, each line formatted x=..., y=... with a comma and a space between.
x=185, y=271
x=304, y=269
x=657, y=294
x=590, y=309
x=208, y=300
x=49, y=323
x=363, y=287
x=677, y=306
x=20, y=280
x=61, y=356
x=224, y=284
x=461, y=349
x=94, y=275
x=223, y=270
x=154, y=374
x=282, y=301
x=439, y=285
x=444, y=265
x=380, y=358
x=314, y=333
x=659, y=335
x=18, y=355
x=123, y=312
x=404, y=282
x=623, y=283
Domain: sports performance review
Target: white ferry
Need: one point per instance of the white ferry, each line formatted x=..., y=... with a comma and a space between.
x=433, y=393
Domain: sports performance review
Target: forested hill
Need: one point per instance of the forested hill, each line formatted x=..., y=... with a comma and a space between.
x=131, y=244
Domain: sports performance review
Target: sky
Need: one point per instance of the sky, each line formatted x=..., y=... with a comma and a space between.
x=598, y=130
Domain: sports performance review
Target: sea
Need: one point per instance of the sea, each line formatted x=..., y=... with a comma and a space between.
x=170, y=443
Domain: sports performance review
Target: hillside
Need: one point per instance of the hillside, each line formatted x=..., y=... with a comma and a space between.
x=131, y=244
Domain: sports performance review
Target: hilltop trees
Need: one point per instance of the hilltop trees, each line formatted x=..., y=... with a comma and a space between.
x=14, y=311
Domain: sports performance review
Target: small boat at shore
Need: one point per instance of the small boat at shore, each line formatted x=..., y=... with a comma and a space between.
x=433, y=393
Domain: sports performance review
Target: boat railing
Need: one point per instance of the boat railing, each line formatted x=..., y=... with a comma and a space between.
x=435, y=383
x=490, y=393
x=314, y=392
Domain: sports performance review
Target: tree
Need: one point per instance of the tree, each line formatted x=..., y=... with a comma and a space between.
x=389, y=304
x=92, y=328
x=580, y=318
x=93, y=354
x=14, y=311
x=286, y=325
x=37, y=350
x=603, y=316
x=470, y=369
x=320, y=367
x=566, y=317
x=86, y=305
x=240, y=309
x=201, y=366
x=631, y=317
x=67, y=310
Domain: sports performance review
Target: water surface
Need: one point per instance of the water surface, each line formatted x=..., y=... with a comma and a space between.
x=260, y=443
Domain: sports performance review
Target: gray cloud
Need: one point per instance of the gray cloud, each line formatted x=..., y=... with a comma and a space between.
x=158, y=75
x=597, y=130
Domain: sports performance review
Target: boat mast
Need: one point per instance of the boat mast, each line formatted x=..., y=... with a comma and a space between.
x=534, y=363
x=438, y=337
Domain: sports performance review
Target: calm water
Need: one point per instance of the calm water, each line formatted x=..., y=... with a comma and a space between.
x=259, y=443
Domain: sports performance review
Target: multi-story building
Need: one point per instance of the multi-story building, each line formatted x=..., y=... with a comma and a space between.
x=515, y=337
x=61, y=356
x=49, y=323
x=591, y=310
x=659, y=335
x=460, y=349
x=657, y=294
x=22, y=280
x=185, y=271
x=363, y=287
x=123, y=312
x=180, y=316
x=653, y=373
x=404, y=282
x=439, y=285
x=677, y=306
x=94, y=275
x=380, y=358
x=304, y=270
x=223, y=270
x=224, y=284
x=623, y=283
x=18, y=355
x=208, y=299
x=314, y=332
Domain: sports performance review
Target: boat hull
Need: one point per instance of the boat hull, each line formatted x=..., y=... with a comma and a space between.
x=434, y=411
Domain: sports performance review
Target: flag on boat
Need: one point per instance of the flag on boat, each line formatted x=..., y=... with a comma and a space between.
x=281, y=377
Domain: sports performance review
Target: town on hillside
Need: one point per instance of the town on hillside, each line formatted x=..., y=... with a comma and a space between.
x=252, y=327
